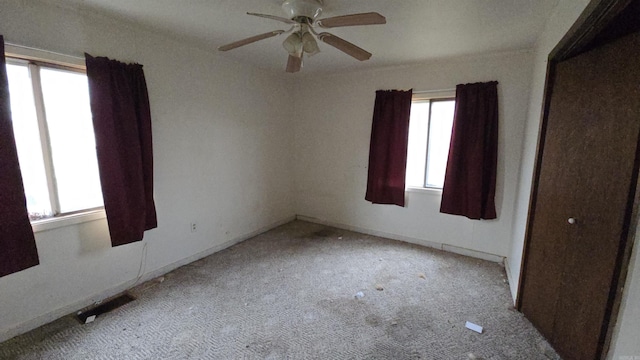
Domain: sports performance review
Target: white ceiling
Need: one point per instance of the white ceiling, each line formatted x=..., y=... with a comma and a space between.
x=416, y=30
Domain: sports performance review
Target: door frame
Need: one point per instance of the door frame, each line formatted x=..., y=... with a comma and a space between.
x=588, y=29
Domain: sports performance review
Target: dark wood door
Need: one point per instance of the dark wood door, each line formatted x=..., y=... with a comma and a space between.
x=582, y=201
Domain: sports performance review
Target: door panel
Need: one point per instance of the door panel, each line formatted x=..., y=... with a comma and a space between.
x=586, y=173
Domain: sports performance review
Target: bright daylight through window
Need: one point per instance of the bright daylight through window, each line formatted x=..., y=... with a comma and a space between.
x=429, y=136
x=54, y=136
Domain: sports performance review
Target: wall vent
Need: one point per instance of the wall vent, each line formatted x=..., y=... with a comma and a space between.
x=90, y=314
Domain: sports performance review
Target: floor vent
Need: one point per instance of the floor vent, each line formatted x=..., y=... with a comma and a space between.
x=90, y=314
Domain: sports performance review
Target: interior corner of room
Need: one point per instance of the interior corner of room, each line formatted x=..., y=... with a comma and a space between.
x=241, y=147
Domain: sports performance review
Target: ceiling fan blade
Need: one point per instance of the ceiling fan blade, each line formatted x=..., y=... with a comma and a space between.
x=370, y=18
x=294, y=64
x=250, y=40
x=344, y=46
x=273, y=17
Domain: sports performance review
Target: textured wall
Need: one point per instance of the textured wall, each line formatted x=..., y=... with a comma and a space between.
x=222, y=142
x=625, y=345
x=226, y=152
x=332, y=146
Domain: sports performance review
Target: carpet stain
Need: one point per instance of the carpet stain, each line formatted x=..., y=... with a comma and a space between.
x=373, y=320
x=325, y=233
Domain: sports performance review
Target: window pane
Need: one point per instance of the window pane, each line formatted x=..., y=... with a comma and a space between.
x=417, y=148
x=25, y=128
x=66, y=100
x=439, y=138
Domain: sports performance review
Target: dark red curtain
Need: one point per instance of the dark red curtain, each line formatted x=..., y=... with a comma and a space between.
x=388, y=147
x=470, y=180
x=17, y=244
x=122, y=125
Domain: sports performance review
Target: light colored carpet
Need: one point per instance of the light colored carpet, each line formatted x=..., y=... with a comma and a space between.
x=290, y=294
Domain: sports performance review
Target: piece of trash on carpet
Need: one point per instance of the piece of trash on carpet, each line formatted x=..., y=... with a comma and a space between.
x=359, y=295
x=422, y=276
x=379, y=287
x=471, y=326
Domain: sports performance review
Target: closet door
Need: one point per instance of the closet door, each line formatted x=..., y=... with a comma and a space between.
x=584, y=196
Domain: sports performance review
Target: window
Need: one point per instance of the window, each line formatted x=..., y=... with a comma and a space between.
x=429, y=136
x=54, y=136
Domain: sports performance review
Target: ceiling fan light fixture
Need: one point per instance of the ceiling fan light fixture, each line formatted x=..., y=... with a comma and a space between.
x=309, y=44
x=293, y=44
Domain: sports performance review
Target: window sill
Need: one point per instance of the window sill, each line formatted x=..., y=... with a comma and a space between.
x=67, y=220
x=423, y=190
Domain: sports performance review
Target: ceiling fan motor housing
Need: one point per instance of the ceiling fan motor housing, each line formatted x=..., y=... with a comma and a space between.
x=302, y=8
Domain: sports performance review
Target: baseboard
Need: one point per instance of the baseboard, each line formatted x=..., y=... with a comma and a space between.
x=431, y=244
x=72, y=308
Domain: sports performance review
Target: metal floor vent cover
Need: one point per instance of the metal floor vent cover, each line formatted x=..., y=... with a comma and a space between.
x=90, y=314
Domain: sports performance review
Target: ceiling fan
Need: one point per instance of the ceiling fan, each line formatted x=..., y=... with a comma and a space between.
x=303, y=15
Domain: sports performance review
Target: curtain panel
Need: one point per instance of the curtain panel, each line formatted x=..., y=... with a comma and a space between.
x=470, y=179
x=122, y=125
x=17, y=243
x=388, y=147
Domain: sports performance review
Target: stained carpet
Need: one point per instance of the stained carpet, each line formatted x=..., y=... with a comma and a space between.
x=294, y=293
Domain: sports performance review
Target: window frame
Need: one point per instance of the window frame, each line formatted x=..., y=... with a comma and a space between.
x=430, y=97
x=36, y=59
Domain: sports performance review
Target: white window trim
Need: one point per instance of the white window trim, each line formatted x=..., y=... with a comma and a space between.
x=428, y=95
x=30, y=54
x=424, y=190
x=433, y=95
x=68, y=220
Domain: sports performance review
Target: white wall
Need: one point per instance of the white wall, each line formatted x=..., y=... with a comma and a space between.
x=222, y=148
x=627, y=331
x=564, y=16
x=332, y=131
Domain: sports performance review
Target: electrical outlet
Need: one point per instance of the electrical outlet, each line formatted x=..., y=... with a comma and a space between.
x=194, y=227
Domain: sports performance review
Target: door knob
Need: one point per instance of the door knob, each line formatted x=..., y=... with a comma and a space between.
x=571, y=221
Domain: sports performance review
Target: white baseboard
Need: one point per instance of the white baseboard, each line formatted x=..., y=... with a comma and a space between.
x=73, y=307
x=427, y=243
